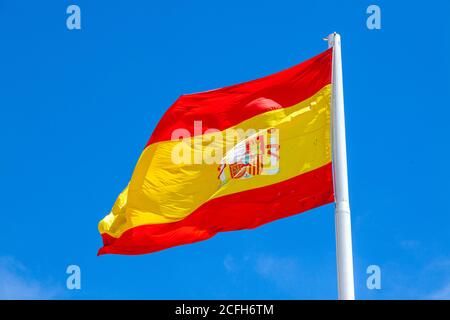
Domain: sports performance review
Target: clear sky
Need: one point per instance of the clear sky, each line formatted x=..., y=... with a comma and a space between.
x=77, y=108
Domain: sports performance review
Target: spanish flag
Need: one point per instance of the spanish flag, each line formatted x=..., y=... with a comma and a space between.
x=229, y=159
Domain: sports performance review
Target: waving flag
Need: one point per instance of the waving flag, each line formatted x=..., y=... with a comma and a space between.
x=229, y=159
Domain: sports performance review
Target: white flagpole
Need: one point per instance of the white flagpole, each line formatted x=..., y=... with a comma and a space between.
x=344, y=255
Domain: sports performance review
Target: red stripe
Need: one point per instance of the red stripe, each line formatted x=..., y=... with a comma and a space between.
x=244, y=210
x=226, y=107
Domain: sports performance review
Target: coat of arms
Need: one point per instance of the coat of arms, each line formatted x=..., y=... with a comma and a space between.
x=256, y=155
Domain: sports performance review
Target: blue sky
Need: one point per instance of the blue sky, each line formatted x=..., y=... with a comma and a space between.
x=77, y=107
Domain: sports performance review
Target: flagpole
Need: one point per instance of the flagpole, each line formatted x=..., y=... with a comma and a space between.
x=344, y=255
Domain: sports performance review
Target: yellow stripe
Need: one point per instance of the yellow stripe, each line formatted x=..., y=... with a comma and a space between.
x=162, y=192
